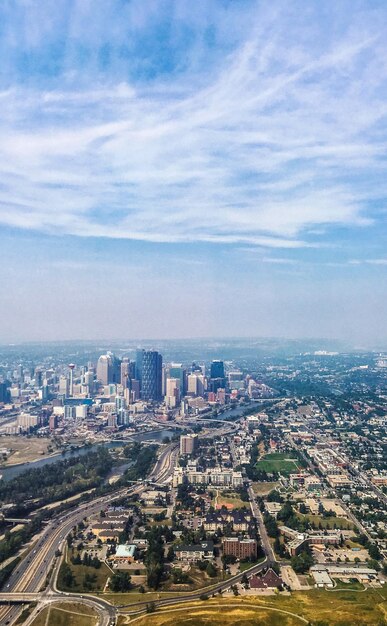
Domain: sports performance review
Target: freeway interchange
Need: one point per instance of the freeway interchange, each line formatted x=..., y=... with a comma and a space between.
x=31, y=573
x=40, y=567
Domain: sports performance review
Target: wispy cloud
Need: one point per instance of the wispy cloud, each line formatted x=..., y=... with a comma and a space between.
x=268, y=148
x=382, y=261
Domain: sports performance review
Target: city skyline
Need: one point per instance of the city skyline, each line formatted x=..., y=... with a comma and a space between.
x=169, y=173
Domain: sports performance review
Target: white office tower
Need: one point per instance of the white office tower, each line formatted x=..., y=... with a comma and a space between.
x=81, y=411
x=109, y=369
x=64, y=386
x=172, y=396
x=236, y=379
x=88, y=382
x=103, y=369
x=196, y=384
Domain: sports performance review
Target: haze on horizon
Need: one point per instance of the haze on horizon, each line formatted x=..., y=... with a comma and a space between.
x=176, y=171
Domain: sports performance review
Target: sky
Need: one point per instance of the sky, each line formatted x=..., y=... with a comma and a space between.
x=180, y=169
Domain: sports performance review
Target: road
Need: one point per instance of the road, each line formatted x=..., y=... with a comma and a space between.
x=265, y=541
x=30, y=575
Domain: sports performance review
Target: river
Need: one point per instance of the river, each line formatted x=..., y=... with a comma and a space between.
x=7, y=473
x=10, y=472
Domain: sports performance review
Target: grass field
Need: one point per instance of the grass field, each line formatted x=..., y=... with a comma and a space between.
x=79, y=571
x=278, y=462
x=327, y=522
x=340, y=608
x=24, y=449
x=66, y=614
x=133, y=597
x=230, y=501
x=262, y=489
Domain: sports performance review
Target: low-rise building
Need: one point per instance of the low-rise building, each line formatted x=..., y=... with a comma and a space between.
x=195, y=552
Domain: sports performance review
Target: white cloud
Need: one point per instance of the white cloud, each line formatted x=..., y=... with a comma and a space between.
x=272, y=149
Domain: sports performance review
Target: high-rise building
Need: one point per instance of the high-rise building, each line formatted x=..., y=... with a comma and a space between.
x=217, y=379
x=53, y=422
x=236, y=380
x=188, y=444
x=88, y=382
x=176, y=370
x=38, y=377
x=217, y=369
x=172, y=395
x=64, y=386
x=4, y=393
x=127, y=372
x=108, y=369
x=149, y=373
x=196, y=384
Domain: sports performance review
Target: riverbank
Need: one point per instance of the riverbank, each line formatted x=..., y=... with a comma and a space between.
x=11, y=471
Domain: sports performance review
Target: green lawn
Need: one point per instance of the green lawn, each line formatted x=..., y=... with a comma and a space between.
x=327, y=522
x=278, y=462
x=230, y=500
x=79, y=571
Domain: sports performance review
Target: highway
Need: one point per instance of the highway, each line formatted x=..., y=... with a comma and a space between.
x=30, y=575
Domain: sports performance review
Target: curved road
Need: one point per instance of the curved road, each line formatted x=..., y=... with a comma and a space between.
x=30, y=575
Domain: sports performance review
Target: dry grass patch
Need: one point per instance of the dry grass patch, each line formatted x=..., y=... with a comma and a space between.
x=66, y=614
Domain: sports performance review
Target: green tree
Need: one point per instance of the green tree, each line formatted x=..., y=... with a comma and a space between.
x=120, y=582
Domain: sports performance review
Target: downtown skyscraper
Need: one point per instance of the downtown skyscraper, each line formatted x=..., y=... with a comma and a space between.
x=149, y=373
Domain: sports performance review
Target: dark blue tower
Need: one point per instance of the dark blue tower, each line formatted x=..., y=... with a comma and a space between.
x=149, y=373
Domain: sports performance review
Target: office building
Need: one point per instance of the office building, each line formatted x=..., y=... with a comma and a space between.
x=149, y=374
x=217, y=377
x=4, y=393
x=64, y=386
x=172, y=395
x=217, y=369
x=236, y=380
x=176, y=370
x=127, y=372
x=108, y=369
x=196, y=384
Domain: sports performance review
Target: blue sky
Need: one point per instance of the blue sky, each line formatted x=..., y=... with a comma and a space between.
x=172, y=169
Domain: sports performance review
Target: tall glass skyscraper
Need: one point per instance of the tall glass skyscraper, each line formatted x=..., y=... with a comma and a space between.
x=217, y=378
x=149, y=373
x=217, y=369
